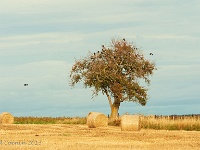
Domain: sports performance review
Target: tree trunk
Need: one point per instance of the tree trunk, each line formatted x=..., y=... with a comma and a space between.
x=114, y=111
x=114, y=106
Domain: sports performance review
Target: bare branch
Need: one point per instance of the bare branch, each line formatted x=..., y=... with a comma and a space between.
x=109, y=99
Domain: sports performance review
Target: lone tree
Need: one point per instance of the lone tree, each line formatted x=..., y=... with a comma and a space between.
x=115, y=71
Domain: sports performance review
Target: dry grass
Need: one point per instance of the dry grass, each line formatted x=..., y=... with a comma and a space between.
x=168, y=123
x=189, y=123
x=75, y=120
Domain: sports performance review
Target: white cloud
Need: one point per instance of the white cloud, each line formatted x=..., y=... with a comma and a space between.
x=171, y=36
x=32, y=39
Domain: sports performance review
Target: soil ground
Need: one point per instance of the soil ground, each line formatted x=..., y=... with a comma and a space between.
x=80, y=137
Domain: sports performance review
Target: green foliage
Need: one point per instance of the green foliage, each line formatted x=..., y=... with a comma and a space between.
x=34, y=120
x=49, y=120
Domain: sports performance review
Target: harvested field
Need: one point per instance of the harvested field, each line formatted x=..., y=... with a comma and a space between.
x=73, y=137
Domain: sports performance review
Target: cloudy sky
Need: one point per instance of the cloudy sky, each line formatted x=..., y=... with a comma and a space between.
x=40, y=39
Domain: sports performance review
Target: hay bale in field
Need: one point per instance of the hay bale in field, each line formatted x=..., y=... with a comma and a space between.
x=96, y=119
x=130, y=123
x=6, y=118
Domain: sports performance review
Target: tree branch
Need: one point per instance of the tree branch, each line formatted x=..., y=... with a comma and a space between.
x=109, y=99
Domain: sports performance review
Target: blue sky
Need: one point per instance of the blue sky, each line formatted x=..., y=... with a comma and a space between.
x=40, y=39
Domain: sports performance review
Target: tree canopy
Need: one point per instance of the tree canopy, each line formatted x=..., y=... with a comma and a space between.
x=115, y=71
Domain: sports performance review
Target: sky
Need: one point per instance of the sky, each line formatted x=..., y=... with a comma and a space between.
x=40, y=40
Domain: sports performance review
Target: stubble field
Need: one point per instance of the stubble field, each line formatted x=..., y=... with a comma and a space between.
x=74, y=137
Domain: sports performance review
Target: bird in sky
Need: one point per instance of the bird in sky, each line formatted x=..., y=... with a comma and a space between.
x=25, y=84
x=150, y=53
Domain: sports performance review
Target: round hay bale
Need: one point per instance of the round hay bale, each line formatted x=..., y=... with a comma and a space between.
x=130, y=123
x=6, y=118
x=96, y=119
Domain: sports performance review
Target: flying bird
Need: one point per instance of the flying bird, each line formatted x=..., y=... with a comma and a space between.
x=123, y=39
x=25, y=84
x=150, y=53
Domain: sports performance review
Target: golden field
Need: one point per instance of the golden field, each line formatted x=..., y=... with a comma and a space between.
x=63, y=133
x=73, y=137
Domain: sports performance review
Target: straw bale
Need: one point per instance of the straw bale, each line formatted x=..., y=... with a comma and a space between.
x=96, y=119
x=6, y=118
x=130, y=123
